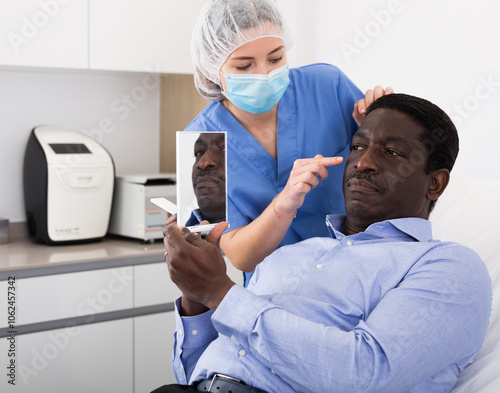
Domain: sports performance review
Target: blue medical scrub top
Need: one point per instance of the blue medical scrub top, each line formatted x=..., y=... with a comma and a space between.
x=314, y=117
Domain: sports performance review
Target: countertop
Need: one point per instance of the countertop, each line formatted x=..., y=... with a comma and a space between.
x=23, y=258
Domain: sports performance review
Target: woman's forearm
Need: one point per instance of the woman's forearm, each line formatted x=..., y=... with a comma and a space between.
x=247, y=246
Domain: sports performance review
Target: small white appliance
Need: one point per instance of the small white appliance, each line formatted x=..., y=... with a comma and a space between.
x=68, y=186
x=133, y=214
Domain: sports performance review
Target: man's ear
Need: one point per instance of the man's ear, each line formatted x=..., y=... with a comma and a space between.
x=439, y=182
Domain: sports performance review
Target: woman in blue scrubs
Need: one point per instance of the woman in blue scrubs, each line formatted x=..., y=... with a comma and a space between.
x=288, y=130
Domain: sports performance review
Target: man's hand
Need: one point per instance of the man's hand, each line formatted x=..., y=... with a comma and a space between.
x=196, y=266
x=362, y=105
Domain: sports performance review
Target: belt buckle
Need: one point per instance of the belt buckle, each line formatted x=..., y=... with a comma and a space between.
x=214, y=378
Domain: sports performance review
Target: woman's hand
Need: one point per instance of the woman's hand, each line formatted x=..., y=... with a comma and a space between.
x=248, y=245
x=305, y=175
x=362, y=105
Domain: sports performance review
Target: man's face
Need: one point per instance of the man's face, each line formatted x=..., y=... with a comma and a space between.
x=385, y=176
x=209, y=175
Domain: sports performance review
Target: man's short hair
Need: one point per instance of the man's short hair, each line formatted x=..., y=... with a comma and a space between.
x=441, y=139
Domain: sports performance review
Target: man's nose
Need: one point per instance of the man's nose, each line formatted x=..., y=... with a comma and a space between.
x=367, y=162
x=208, y=161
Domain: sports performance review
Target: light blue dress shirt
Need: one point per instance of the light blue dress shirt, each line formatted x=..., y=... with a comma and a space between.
x=385, y=310
x=314, y=117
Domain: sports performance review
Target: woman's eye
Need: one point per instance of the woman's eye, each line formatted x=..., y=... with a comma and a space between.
x=277, y=60
x=243, y=68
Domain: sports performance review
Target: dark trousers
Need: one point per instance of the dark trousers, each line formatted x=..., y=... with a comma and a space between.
x=175, y=389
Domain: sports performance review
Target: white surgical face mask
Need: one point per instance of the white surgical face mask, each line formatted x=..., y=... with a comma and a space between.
x=256, y=93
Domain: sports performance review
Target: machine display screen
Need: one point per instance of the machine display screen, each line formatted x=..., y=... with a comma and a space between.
x=70, y=148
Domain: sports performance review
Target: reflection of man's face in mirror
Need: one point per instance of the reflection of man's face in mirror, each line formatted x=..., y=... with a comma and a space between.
x=209, y=175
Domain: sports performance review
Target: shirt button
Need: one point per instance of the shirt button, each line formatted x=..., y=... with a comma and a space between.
x=233, y=338
x=319, y=266
x=194, y=332
x=242, y=352
x=181, y=332
x=349, y=242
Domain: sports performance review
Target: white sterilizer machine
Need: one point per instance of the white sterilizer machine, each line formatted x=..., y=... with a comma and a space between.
x=68, y=182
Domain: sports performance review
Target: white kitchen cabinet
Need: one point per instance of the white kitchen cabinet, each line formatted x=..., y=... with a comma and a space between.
x=103, y=325
x=153, y=285
x=145, y=36
x=95, y=358
x=4, y=304
x=44, y=33
x=74, y=294
x=153, y=344
x=127, y=35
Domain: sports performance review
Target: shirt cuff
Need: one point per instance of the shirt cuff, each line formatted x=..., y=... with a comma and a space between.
x=238, y=313
x=195, y=331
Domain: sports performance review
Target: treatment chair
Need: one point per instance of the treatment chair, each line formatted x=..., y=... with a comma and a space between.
x=469, y=213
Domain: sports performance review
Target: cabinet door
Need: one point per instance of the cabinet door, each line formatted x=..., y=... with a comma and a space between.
x=47, y=298
x=94, y=358
x=48, y=33
x=153, y=344
x=154, y=286
x=145, y=36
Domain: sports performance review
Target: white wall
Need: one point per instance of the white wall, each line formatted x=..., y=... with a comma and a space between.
x=119, y=110
x=442, y=50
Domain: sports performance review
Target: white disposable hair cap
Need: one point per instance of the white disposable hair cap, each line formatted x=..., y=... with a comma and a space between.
x=221, y=28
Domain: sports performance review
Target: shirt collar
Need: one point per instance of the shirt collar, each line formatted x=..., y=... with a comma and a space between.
x=417, y=228
x=195, y=218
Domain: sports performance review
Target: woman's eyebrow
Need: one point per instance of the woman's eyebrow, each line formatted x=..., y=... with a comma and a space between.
x=276, y=50
x=242, y=58
x=251, y=57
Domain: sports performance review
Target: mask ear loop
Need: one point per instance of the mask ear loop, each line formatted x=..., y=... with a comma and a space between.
x=222, y=87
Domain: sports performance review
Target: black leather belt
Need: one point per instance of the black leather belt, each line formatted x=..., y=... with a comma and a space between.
x=221, y=383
